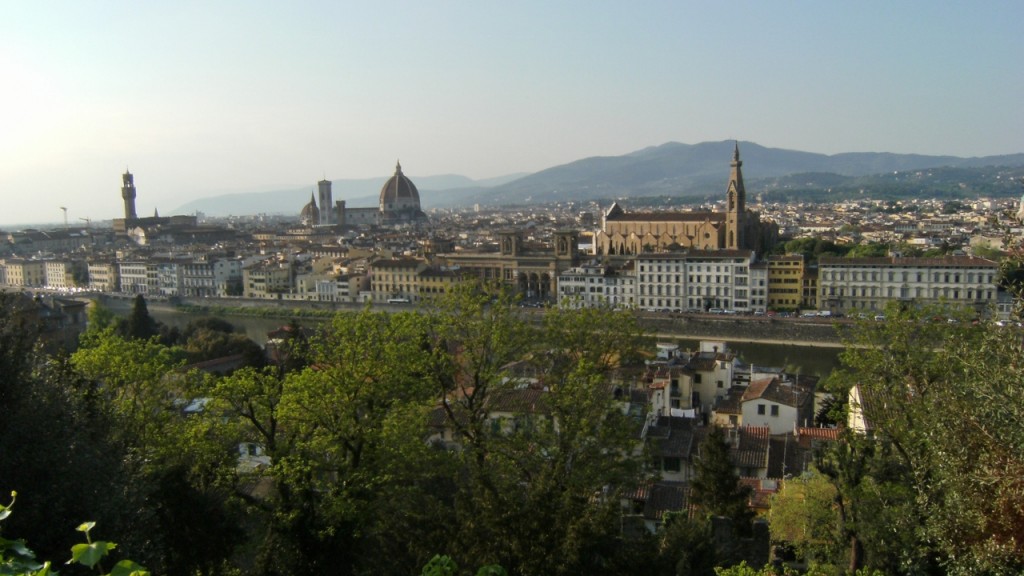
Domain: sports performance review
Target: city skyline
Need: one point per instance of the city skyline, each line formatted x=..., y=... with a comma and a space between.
x=199, y=99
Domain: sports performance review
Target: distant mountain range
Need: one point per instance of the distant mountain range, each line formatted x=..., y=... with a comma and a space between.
x=681, y=171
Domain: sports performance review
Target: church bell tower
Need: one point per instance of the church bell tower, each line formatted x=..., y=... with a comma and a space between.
x=326, y=203
x=736, y=205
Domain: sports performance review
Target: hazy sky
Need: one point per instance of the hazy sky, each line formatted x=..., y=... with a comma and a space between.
x=206, y=97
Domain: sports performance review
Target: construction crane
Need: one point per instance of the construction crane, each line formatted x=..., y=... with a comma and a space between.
x=65, y=210
x=88, y=222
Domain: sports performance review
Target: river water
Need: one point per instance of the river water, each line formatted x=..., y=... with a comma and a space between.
x=808, y=360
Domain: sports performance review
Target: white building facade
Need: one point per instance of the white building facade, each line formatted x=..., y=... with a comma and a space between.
x=596, y=285
x=848, y=285
x=718, y=280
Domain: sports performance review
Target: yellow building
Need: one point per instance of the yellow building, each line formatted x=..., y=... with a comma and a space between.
x=27, y=273
x=396, y=279
x=785, y=282
x=401, y=280
x=810, y=301
x=267, y=279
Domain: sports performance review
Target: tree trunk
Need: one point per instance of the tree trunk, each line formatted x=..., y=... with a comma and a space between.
x=856, y=554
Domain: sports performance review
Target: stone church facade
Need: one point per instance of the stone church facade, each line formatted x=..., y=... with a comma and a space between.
x=629, y=233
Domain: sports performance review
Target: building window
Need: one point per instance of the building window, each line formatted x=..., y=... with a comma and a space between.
x=760, y=409
x=775, y=410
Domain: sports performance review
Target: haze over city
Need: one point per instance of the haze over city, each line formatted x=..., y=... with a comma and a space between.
x=199, y=99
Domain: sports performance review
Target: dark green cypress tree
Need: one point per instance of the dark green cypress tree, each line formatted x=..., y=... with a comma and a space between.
x=140, y=324
x=716, y=488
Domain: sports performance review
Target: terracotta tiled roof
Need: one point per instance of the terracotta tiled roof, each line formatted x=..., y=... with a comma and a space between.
x=437, y=417
x=957, y=261
x=693, y=253
x=874, y=404
x=666, y=497
x=666, y=217
x=787, y=458
x=660, y=498
x=760, y=492
x=398, y=263
x=672, y=437
x=752, y=449
x=774, y=391
x=757, y=388
x=731, y=402
x=703, y=363
x=811, y=434
x=519, y=401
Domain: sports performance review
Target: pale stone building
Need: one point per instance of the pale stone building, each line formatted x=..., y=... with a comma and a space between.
x=625, y=232
x=847, y=285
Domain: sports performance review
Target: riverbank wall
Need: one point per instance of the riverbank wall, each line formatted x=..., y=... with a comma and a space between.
x=820, y=332
x=797, y=331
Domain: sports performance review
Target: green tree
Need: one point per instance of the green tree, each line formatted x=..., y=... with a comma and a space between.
x=356, y=488
x=687, y=547
x=944, y=405
x=541, y=486
x=208, y=343
x=804, y=515
x=140, y=325
x=869, y=250
x=139, y=386
x=716, y=488
x=53, y=437
x=813, y=248
x=360, y=413
x=16, y=559
x=178, y=468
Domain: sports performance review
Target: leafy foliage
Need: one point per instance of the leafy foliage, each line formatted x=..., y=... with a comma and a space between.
x=53, y=436
x=352, y=477
x=140, y=324
x=945, y=462
x=540, y=491
x=804, y=515
x=16, y=559
x=716, y=488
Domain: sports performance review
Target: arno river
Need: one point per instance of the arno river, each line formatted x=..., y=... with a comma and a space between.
x=803, y=359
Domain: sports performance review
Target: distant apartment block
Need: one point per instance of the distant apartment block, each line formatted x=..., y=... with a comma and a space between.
x=103, y=277
x=785, y=282
x=810, y=289
x=62, y=274
x=24, y=273
x=759, y=286
x=269, y=279
x=396, y=278
x=597, y=285
x=848, y=285
x=33, y=241
x=205, y=278
x=695, y=280
x=169, y=277
x=134, y=277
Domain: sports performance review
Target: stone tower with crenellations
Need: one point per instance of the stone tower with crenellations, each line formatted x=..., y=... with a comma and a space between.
x=128, y=194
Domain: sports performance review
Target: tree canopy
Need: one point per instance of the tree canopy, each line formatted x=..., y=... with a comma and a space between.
x=937, y=481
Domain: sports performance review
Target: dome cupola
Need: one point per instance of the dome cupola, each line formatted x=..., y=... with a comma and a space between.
x=310, y=214
x=399, y=193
